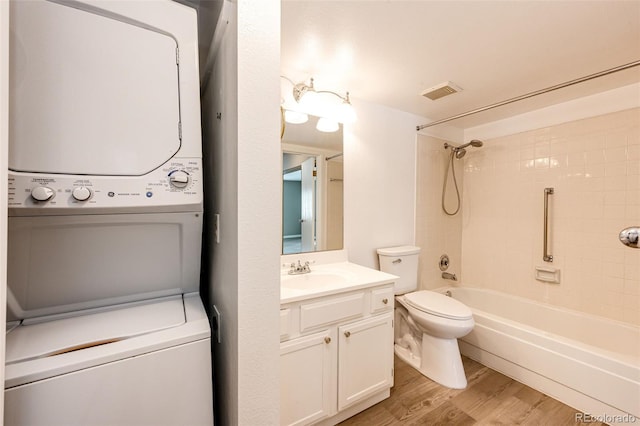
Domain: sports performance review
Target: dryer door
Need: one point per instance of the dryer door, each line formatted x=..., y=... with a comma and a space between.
x=91, y=93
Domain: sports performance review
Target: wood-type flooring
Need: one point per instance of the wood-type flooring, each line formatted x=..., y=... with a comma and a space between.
x=490, y=398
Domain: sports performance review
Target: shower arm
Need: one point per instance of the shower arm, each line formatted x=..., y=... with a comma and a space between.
x=532, y=94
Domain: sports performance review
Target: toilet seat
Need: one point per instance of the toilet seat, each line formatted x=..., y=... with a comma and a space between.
x=438, y=304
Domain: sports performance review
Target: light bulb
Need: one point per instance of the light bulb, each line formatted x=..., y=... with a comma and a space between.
x=327, y=125
x=311, y=103
x=295, y=117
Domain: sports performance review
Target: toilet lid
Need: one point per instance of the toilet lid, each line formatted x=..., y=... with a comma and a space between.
x=438, y=304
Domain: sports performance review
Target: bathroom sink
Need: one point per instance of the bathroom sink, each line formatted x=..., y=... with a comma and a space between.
x=314, y=279
x=327, y=278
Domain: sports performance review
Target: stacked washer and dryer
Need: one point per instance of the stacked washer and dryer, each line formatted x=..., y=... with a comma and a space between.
x=105, y=322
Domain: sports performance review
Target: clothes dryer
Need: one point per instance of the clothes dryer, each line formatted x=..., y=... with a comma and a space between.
x=106, y=325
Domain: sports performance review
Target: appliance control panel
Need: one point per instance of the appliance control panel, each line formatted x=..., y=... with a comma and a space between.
x=173, y=187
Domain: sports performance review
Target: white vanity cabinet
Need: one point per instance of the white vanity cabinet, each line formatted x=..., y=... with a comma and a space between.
x=336, y=355
x=307, y=367
x=365, y=359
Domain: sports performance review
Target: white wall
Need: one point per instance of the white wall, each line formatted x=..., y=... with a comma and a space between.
x=242, y=184
x=379, y=181
x=220, y=260
x=4, y=150
x=259, y=211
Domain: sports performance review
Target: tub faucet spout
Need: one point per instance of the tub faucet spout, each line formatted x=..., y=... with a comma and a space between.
x=448, y=276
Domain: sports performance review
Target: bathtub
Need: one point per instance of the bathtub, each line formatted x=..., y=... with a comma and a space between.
x=588, y=362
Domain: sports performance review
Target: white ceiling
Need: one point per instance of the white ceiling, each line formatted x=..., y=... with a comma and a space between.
x=388, y=52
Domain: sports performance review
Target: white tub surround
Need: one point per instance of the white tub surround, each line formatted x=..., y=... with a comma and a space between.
x=590, y=363
x=593, y=164
x=336, y=332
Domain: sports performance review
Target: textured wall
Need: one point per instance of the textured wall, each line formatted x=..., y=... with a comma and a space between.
x=242, y=184
x=259, y=211
x=4, y=149
x=379, y=181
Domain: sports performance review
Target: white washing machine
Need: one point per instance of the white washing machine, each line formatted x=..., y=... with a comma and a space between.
x=105, y=323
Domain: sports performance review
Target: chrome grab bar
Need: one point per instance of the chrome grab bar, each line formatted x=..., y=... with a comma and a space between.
x=630, y=237
x=545, y=250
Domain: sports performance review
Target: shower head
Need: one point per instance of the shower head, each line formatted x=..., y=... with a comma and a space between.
x=475, y=143
x=460, y=151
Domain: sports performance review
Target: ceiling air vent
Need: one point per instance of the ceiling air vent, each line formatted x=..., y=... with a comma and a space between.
x=441, y=90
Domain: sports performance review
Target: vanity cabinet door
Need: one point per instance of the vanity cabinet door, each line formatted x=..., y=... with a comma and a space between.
x=365, y=359
x=307, y=378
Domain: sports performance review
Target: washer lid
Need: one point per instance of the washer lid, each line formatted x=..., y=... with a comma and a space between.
x=97, y=327
x=438, y=304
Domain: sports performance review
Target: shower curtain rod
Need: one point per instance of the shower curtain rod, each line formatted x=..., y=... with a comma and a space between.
x=532, y=94
x=333, y=156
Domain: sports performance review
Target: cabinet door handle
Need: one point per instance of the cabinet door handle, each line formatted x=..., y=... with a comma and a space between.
x=347, y=333
x=327, y=340
x=385, y=300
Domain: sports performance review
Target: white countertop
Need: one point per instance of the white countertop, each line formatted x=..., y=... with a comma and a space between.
x=329, y=278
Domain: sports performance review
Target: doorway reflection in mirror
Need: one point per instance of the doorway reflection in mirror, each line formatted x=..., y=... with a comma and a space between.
x=312, y=191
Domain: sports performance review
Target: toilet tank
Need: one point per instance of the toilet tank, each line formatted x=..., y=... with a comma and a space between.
x=403, y=262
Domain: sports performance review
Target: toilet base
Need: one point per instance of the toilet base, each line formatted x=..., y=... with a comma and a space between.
x=408, y=357
x=441, y=362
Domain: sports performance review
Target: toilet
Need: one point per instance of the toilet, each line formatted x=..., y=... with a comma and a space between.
x=427, y=324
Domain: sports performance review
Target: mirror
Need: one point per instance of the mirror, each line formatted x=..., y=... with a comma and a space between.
x=312, y=188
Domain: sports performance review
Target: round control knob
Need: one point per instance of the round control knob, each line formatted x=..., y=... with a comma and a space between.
x=179, y=178
x=42, y=193
x=81, y=193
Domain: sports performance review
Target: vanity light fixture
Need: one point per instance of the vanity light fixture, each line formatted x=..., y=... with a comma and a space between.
x=307, y=100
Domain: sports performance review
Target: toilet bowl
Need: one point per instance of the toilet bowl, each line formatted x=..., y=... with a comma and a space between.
x=437, y=314
x=428, y=323
x=439, y=329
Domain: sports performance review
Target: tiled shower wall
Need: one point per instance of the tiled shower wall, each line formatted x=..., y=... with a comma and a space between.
x=593, y=166
x=496, y=241
x=436, y=233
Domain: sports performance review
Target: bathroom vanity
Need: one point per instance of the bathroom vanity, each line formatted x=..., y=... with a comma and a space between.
x=336, y=333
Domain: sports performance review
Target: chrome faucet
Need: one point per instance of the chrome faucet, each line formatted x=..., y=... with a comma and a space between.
x=448, y=276
x=299, y=268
